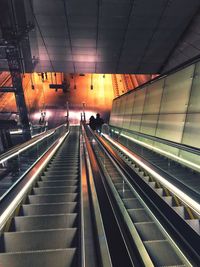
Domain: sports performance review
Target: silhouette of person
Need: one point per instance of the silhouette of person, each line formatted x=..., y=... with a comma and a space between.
x=99, y=123
x=92, y=123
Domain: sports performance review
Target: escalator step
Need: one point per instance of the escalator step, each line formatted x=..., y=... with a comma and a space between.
x=36, y=199
x=40, y=240
x=53, y=208
x=30, y=223
x=55, y=190
x=43, y=258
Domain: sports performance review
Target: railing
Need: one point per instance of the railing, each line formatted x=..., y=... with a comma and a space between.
x=15, y=163
x=193, y=153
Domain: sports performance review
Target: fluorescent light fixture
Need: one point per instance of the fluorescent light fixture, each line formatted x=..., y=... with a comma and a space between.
x=19, y=131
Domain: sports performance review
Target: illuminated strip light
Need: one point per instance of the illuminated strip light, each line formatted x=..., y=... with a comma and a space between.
x=163, y=152
x=30, y=145
x=19, y=131
x=24, y=148
x=13, y=205
x=185, y=198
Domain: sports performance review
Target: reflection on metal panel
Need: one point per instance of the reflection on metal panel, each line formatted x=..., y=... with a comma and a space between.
x=177, y=91
x=139, y=101
x=170, y=127
x=192, y=130
x=167, y=108
x=153, y=97
x=148, y=124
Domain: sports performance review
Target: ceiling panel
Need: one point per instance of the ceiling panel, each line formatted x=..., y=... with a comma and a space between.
x=122, y=36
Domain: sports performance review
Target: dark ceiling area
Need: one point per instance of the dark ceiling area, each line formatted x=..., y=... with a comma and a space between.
x=101, y=36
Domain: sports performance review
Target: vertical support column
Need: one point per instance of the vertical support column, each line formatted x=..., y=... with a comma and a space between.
x=13, y=57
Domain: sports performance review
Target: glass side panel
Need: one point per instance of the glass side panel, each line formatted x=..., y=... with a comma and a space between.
x=13, y=169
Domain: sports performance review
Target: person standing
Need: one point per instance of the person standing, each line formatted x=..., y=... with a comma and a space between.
x=99, y=123
x=92, y=123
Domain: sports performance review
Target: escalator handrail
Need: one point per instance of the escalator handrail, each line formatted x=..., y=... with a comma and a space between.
x=183, y=147
x=101, y=236
x=22, y=147
x=152, y=198
x=16, y=195
x=162, y=177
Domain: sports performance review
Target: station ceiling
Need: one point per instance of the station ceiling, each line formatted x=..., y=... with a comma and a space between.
x=106, y=36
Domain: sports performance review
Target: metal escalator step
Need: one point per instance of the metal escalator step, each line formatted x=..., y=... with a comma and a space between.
x=182, y=212
x=139, y=215
x=64, y=161
x=55, y=190
x=43, y=258
x=63, y=169
x=195, y=224
x=61, y=158
x=60, y=171
x=149, y=231
x=157, y=251
x=56, y=183
x=126, y=194
x=152, y=184
x=169, y=200
x=36, y=199
x=48, y=177
x=30, y=223
x=39, y=240
x=117, y=181
x=132, y=203
x=116, y=178
x=146, y=178
x=121, y=186
x=63, y=165
x=159, y=191
x=53, y=208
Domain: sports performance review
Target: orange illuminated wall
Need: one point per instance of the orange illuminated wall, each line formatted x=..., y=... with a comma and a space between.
x=99, y=98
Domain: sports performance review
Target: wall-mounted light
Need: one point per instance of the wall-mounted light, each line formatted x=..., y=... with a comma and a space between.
x=74, y=81
x=91, y=86
x=32, y=84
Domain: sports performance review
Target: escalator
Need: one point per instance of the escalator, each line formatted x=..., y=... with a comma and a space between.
x=163, y=186
x=151, y=227
x=180, y=173
x=46, y=229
